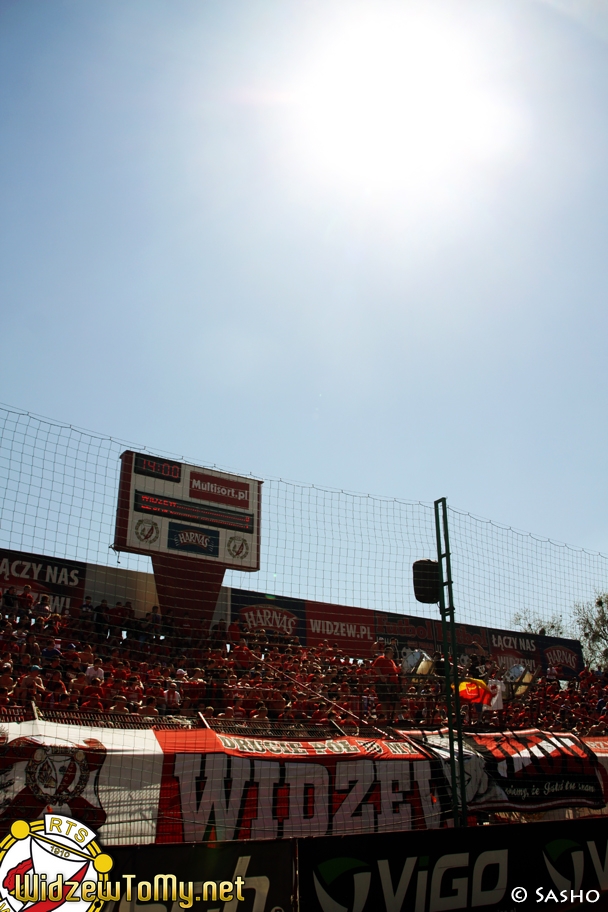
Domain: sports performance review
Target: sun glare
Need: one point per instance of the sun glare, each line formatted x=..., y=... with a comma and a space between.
x=400, y=101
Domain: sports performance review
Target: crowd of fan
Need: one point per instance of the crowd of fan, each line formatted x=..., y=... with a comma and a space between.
x=102, y=658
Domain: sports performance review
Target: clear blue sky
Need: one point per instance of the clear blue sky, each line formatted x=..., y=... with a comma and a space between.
x=357, y=244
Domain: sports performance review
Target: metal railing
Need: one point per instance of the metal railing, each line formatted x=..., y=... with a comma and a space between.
x=303, y=730
x=17, y=713
x=114, y=720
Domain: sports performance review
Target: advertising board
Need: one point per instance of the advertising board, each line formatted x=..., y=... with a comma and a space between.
x=171, y=508
x=507, y=647
x=57, y=863
x=275, y=614
x=62, y=580
x=352, y=629
x=562, y=864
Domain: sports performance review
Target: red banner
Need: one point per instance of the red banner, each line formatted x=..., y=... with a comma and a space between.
x=224, y=787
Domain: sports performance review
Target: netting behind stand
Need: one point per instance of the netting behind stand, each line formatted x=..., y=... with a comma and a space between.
x=58, y=492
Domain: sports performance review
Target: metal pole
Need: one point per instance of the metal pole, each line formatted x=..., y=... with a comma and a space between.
x=446, y=666
x=448, y=629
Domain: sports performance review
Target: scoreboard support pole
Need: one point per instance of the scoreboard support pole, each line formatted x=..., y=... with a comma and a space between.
x=188, y=589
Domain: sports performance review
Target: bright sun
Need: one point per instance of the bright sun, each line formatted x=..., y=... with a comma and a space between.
x=398, y=99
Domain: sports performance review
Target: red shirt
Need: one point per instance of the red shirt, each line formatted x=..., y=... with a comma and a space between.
x=243, y=656
x=386, y=668
x=26, y=601
x=92, y=691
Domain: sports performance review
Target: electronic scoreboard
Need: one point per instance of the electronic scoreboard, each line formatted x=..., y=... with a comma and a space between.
x=167, y=507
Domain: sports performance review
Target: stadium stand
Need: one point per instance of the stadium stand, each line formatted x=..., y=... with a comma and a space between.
x=102, y=659
x=133, y=714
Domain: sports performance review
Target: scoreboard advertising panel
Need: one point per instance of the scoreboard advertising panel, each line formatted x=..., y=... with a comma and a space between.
x=167, y=507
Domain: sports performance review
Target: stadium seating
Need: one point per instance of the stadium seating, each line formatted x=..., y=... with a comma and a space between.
x=101, y=659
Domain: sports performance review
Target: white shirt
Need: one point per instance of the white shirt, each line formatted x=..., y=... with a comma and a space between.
x=410, y=659
x=173, y=697
x=497, y=689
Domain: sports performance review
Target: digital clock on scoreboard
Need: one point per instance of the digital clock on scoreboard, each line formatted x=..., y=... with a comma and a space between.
x=157, y=468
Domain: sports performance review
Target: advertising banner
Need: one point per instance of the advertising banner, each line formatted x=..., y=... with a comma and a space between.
x=354, y=630
x=282, y=615
x=62, y=580
x=485, y=868
x=409, y=631
x=351, y=629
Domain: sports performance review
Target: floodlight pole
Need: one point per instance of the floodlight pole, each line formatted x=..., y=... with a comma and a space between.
x=452, y=695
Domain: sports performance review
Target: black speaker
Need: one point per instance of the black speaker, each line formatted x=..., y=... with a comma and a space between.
x=426, y=581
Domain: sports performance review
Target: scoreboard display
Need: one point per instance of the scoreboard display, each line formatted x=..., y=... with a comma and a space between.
x=167, y=507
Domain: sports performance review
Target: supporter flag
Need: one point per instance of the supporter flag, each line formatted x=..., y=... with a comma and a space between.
x=475, y=691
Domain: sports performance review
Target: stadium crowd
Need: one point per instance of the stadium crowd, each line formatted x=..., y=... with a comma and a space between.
x=102, y=658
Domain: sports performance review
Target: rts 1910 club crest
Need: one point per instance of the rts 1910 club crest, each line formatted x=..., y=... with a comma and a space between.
x=52, y=864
